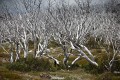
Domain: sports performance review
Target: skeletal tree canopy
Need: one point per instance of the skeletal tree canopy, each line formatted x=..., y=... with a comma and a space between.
x=70, y=26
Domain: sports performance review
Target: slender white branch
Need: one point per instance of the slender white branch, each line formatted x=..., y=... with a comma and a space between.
x=51, y=57
x=76, y=59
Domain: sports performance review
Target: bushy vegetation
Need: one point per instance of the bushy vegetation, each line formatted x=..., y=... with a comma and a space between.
x=31, y=64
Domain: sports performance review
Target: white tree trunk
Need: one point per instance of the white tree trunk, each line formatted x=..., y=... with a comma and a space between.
x=17, y=52
x=11, y=57
x=25, y=52
x=87, y=58
x=11, y=53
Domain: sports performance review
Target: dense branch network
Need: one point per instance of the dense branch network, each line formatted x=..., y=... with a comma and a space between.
x=70, y=26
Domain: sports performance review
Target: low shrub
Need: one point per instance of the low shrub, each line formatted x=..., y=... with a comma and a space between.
x=93, y=69
x=19, y=66
x=32, y=64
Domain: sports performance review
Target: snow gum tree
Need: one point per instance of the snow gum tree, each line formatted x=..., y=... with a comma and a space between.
x=71, y=25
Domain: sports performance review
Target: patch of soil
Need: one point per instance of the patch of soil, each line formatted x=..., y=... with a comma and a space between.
x=45, y=76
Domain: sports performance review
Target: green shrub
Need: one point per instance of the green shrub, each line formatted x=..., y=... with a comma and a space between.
x=19, y=66
x=94, y=69
x=32, y=64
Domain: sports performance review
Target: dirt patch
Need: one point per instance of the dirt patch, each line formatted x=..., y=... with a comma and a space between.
x=45, y=76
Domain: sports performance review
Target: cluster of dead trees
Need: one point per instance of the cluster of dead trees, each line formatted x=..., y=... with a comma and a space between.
x=70, y=26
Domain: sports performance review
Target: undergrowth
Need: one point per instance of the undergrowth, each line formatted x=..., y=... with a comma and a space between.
x=31, y=64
